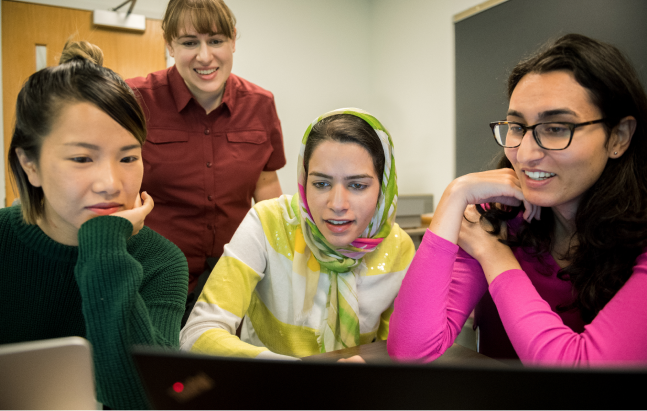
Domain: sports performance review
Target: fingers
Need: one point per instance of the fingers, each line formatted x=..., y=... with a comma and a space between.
x=148, y=201
x=471, y=210
x=532, y=211
x=143, y=210
x=501, y=185
x=354, y=358
x=138, y=213
x=509, y=201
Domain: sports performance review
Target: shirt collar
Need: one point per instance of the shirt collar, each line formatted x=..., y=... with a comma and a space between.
x=183, y=96
x=229, y=97
x=179, y=90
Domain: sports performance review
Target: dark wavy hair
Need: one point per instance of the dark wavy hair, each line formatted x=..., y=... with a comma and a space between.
x=611, y=220
x=79, y=77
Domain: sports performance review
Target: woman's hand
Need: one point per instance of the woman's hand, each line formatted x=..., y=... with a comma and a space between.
x=473, y=237
x=495, y=186
x=498, y=186
x=486, y=248
x=139, y=212
x=354, y=359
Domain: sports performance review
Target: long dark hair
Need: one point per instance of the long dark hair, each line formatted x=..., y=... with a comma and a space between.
x=79, y=77
x=611, y=220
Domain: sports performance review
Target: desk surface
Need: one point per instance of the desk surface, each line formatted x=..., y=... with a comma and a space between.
x=376, y=353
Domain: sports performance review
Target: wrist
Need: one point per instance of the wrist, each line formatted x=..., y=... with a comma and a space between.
x=497, y=262
x=448, y=215
x=101, y=235
x=455, y=194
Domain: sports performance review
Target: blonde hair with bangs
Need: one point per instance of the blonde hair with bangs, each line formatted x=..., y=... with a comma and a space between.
x=204, y=15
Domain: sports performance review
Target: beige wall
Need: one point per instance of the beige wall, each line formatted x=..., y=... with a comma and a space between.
x=414, y=87
x=394, y=58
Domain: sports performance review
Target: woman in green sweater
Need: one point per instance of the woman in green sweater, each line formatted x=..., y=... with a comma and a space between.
x=76, y=257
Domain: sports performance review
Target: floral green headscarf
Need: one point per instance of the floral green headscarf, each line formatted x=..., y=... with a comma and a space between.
x=342, y=328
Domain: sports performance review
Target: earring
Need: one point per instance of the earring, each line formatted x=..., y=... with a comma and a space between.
x=615, y=153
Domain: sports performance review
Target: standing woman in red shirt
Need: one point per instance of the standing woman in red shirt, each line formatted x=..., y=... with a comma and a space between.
x=214, y=139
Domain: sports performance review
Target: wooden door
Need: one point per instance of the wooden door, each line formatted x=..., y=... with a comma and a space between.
x=25, y=25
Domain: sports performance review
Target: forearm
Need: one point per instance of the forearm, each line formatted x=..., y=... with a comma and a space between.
x=437, y=295
x=116, y=315
x=449, y=215
x=227, y=295
x=540, y=336
x=219, y=341
x=211, y=329
x=267, y=186
x=457, y=223
x=110, y=280
x=496, y=261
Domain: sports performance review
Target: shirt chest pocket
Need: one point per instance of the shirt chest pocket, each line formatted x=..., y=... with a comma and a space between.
x=250, y=144
x=166, y=145
x=250, y=137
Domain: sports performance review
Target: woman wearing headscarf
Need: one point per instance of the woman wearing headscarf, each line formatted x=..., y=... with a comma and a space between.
x=317, y=271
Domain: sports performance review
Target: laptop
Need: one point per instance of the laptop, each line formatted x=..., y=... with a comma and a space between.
x=177, y=380
x=47, y=374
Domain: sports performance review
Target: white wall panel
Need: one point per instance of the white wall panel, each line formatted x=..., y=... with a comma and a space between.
x=394, y=58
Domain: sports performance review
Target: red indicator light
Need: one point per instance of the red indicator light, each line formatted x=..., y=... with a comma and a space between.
x=178, y=387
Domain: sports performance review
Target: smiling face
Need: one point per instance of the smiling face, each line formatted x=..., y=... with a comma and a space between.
x=89, y=166
x=342, y=189
x=204, y=61
x=557, y=178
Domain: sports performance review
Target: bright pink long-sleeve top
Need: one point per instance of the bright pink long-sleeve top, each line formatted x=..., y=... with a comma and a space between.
x=444, y=284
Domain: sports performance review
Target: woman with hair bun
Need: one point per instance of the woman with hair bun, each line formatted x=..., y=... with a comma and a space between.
x=569, y=288
x=77, y=259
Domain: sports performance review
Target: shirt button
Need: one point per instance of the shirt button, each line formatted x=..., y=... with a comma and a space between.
x=209, y=164
x=210, y=198
x=206, y=131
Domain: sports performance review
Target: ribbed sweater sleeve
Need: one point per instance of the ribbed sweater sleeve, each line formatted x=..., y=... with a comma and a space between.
x=124, y=304
x=439, y=291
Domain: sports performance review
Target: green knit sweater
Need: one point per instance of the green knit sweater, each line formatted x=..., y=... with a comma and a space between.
x=113, y=289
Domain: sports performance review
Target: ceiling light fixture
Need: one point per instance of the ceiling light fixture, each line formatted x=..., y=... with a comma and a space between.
x=119, y=19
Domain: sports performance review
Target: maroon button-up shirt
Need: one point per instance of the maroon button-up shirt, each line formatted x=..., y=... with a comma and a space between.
x=201, y=169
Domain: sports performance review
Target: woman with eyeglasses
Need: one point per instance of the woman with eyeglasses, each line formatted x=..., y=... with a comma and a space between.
x=555, y=237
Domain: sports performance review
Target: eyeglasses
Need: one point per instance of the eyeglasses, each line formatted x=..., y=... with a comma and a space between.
x=549, y=136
